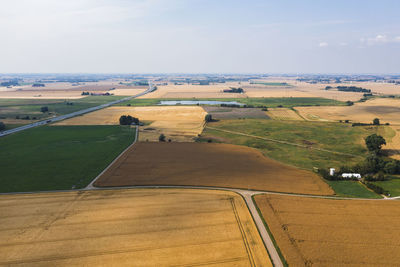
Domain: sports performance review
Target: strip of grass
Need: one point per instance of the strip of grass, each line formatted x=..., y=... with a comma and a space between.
x=256, y=101
x=59, y=157
x=351, y=189
x=284, y=262
x=392, y=185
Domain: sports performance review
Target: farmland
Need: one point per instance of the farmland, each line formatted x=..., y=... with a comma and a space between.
x=15, y=111
x=283, y=114
x=235, y=113
x=287, y=102
x=218, y=165
x=326, y=232
x=59, y=157
x=178, y=123
x=339, y=137
x=386, y=109
x=141, y=227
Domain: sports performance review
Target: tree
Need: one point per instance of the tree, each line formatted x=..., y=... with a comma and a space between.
x=376, y=121
x=128, y=120
x=2, y=126
x=161, y=138
x=374, y=143
x=208, y=118
x=44, y=109
x=391, y=167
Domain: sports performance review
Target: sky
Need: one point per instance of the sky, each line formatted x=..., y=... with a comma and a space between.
x=200, y=36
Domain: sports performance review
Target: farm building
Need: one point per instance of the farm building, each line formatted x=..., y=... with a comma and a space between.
x=351, y=175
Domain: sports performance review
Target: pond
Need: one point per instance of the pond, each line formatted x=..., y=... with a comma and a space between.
x=198, y=102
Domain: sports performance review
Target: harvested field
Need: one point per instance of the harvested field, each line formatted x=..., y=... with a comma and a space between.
x=235, y=113
x=179, y=123
x=326, y=232
x=140, y=227
x=204, y=164
x=62, y=90
x=283, y=114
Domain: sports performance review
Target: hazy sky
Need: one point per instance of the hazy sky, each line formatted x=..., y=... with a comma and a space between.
x=216, y=36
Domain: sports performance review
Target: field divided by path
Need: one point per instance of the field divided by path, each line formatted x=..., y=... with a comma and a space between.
x=139, y=227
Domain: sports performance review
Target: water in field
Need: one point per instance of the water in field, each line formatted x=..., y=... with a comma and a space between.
x=198, y=102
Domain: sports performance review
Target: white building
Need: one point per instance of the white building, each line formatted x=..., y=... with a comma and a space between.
x=332, y=171
x=351, y=175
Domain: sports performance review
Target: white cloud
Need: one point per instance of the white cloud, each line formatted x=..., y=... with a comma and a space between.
x=323, y=44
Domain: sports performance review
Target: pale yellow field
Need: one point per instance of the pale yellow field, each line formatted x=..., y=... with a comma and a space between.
x=179, y=123
x=297, y=89
x=68, y=91
x=137, y=227
x=283, y=114
x=386, y=109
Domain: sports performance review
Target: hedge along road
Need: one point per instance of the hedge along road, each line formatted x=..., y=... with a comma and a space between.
x=76, y=113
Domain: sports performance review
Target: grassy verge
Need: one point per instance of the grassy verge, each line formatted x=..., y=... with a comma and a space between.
x=59, y=157
x=270, y=234
x=14, y=108
x=352, y=189
x=392, y=185
x=256, y=101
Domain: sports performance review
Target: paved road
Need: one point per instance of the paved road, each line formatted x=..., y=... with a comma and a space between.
x=76, y=113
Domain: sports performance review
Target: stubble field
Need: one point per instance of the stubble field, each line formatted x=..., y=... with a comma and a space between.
x=179, y=123
x=283, y=114
x=204, y=164
x=141, y=227
x=326, y=232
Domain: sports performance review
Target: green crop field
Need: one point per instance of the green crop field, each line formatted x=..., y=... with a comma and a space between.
x=352, y=189
x=392, y=185
x=256, y=101
x=59, y=157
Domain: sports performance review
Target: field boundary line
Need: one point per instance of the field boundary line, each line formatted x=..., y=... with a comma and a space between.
x=90, y=185
x=283, y=142
x=243, y=233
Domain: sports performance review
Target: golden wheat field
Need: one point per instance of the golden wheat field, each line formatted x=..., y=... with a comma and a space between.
x=179, y=123
x=326, y=232
x=136, y=227
x=283, y=114
x=208, y=164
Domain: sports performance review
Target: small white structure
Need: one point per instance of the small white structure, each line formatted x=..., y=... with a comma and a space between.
x=351, y=175
x=332, y=171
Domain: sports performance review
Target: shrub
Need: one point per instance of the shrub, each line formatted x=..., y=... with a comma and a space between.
x=376, y=121
x=161, y=138
x=128, y=120
x=2, y=126
x=44, y=109
x=208, y=118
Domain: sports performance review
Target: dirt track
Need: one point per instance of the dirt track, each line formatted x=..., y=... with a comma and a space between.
x=219, y=165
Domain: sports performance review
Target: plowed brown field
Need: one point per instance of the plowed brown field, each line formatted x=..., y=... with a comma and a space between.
x=143, y=227
x=205, y=164
x=326, y=232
